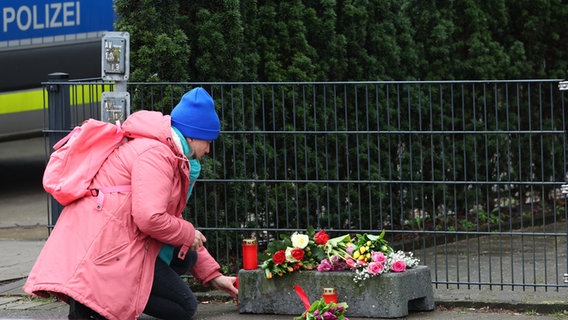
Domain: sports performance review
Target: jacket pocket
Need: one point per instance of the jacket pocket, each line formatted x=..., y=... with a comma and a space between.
x=113, y=254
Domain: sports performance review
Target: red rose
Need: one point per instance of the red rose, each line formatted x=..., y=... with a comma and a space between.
x=298, y=254
x=321, y=237
x=279, y=257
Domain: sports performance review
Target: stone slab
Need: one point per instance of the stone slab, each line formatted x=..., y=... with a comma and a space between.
x=390, y=295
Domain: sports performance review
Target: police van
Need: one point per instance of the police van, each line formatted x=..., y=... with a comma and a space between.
x=39, y=37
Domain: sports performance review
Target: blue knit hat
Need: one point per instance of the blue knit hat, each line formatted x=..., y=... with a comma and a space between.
x=195, y=115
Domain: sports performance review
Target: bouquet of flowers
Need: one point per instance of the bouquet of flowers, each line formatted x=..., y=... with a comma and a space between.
x=365, y=254
x=292, y=253
x=320, y=310
x=393, y=262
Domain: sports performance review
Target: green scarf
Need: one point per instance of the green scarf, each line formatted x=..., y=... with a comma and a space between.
x=167, y=251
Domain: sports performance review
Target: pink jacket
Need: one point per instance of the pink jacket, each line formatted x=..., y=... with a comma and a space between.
x=105, y=258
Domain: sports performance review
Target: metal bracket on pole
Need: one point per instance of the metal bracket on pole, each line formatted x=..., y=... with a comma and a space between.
x=115, y=106
x=115, y=66
x=563, y=85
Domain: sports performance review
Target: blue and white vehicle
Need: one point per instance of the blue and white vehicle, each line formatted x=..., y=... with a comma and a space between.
x=39, y=37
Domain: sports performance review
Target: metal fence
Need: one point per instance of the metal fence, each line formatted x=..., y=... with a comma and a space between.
x=466, y=174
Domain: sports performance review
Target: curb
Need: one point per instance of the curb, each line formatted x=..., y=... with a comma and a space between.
x=538, y=307
x=541, y=307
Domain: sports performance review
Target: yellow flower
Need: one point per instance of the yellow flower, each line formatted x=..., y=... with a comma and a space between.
x=300, y=240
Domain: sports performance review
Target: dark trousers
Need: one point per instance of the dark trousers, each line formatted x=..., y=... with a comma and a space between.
x=171, y=297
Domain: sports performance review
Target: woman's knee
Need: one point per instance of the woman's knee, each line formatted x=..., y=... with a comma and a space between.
x=190, y=305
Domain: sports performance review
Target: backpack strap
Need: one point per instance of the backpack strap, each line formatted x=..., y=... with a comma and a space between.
x=100, y=193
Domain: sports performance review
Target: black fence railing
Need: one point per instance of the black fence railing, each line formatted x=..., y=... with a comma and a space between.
x=460, y=172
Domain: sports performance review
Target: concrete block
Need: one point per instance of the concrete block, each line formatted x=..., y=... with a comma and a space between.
x=390, y=295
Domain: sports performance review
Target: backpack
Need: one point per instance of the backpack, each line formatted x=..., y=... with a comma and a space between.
x=77, y=159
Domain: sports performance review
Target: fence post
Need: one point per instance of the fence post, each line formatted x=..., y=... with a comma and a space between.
x=59, y=124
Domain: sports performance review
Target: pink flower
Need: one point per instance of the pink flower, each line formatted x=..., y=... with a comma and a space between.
x=334, y=259
x=398, y=266
x=325, y=265
x=351, y=263
x=375, y=268
x=329, y=316
x=378, y=257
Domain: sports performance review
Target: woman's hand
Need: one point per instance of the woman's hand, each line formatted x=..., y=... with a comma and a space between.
x=226, y=284
x=198, y=240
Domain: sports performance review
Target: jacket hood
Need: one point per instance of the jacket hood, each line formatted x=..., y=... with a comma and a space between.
x=148, y=124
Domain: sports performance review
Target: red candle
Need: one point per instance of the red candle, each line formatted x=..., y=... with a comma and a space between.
x=329, y=295
x=237, y=286
x=250, y=254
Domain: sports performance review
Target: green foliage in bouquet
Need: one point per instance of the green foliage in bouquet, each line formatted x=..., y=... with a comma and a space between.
x=320, y=310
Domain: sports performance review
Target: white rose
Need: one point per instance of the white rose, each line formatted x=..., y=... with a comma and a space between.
x=299, y=240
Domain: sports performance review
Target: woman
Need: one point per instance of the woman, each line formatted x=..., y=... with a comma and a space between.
x=125, y=258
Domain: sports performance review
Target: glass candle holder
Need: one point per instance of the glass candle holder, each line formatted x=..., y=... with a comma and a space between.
x=329, y=295
x=250, y=254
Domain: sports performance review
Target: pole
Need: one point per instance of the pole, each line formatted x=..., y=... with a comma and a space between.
x=59, y=124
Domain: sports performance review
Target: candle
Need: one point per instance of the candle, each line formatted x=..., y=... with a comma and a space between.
x=250, y=254
x=237, y=286
x=329, y=295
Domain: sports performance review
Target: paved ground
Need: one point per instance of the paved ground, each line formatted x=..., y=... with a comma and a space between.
x=23, y=230
x=215, y=306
